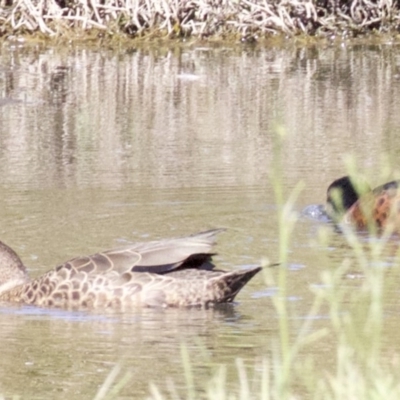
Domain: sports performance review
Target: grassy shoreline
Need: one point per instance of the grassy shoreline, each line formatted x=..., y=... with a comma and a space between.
x=246, y=20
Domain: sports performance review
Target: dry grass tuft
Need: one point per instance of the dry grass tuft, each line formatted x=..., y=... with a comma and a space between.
x=200, y=18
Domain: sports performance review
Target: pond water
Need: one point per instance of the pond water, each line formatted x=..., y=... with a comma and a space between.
x=102, y=147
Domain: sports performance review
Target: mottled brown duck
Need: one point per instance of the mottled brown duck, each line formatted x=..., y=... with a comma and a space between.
x=165, y=273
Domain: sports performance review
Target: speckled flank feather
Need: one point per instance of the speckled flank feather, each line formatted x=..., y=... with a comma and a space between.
x=173, y=272
x=380, y=206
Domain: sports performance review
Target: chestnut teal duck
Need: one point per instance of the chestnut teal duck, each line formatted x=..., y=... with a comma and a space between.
x=359, y=206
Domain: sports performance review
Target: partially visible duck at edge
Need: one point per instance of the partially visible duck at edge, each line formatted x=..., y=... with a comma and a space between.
x=165, y=273
x=353, y=202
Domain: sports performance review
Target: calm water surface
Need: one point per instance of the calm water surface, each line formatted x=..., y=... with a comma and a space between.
x=103, y=147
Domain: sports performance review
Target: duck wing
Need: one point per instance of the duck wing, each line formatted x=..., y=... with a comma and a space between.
x=159, y=257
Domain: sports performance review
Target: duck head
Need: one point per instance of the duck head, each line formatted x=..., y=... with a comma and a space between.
x=12, y=271
x=342, y=194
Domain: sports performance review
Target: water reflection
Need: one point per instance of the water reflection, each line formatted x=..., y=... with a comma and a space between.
x=103, y=118
x=39, y=344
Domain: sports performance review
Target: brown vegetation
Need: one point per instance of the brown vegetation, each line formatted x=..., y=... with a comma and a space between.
x=200, y=18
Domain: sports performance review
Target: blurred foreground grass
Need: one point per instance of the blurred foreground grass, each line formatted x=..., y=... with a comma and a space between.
x=357, y=367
